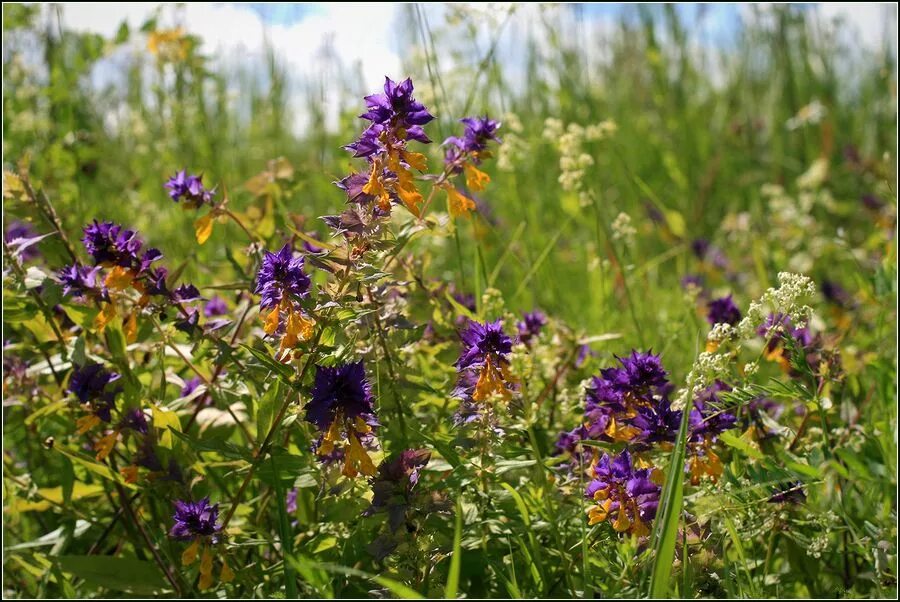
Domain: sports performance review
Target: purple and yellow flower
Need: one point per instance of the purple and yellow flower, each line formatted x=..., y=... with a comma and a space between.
x=464, y=154
x=530, y=326
x=396, y=118
x=281, y=282
x=625, y=496
x=707, y=421
x=393, y=485
x=198, y=522
x=614, y=398
x=189, y=189
x=341, y=407
x=78, y=280
x=723, y=311
x=484, y=361
x=775, y=328
x=92, y=385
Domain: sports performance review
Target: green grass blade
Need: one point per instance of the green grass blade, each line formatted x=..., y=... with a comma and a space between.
x=452, y=585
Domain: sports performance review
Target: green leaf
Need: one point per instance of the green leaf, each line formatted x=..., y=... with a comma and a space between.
x=742, y=445
x=123, y=574
x=166, y=422
x=284, y=371
x=101, y=470
x=266, y=409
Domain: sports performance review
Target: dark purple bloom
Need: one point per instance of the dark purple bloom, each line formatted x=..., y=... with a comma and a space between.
x=281, y=274
x=530, y=326
x=396, y=106
x=723, y=311
x=657, y=423
x=872, y=202
x=478, y=132
x=777, y=325
x=188, y=188
x=788, y=493
x=109, y=243
x=643, y=370
x=187, y=293
x=692, y=280
x=708, y=419
x=393, y=485
x=625, y=496
x=195, y=519
x=91, y=384
x=584, y=351
x=134, y=420
x=77, y=279
x=706, y=251
x=21, y=234
x=215, y=307
x=836, y=294
x=481, y=340
x=343, y=390
x=656, y=216
x=700, y=247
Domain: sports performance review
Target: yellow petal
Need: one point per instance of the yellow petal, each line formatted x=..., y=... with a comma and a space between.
x=458, y=204
x=106, y=314
x=357, y=459
x=118, y=279
x=476, y=179
x=206, y=569
x=203, y=228
x=227, y=575
x=416, y=160
x=621, y=523
x=105, y=445
x=331, y=435
x=271, y=323
x=490, y=381
x=86, y=423
x=131, y=328
x=190, y=554
x=130, y=473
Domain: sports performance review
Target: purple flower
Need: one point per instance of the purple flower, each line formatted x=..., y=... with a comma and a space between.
x=788, y=493
x=135, y=420
x=290, y=501
x=188, y=188
x=478, y=132
x=396, y=117
x=625, y=496
x=872, y=202
x=215, y=307
x=836, y=294
x=91, y=384
x=281, y=274
x=692, y=280
x=195, y=519
x=393, y=485
x=109, y=244
x=777, y=325
x=707, y=419
x=191, y=385
x=77, y=279
x=342, y=390
x=656, y=423
x=483, y=340
x=20, y=234
x=723, y=311
x=187, y=293
x=530, y=326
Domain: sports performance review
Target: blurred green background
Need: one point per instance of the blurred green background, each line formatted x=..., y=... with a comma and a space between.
x=710, y=104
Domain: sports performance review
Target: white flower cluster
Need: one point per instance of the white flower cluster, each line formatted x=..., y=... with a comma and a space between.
x=622, y=228
x=514, y=147
x=708, y=367
x=573, y=161
x=784, y=299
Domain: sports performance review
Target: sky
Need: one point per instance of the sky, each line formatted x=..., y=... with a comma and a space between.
x=365, y=35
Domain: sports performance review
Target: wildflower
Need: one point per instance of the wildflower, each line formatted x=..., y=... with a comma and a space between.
x=622, y=228
x=215, y=307
x=22, y=236
x=188, y=188
x=109, y=244
x=568, y=444
x=77, y=279
x=134, y=420
x=91, y=385
x=530, y=326
x=195, y=520
x=396, y=118
x=341, y=407
x=281, y=277
x=707, y=421
x=280, y=282
x=723, y=311
x=198, y=522
x=626, y=496
x=463, y=156
x=393, y=485
x=191, y=385
x=788, y=493
x=613, y=399
x=484, y=361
